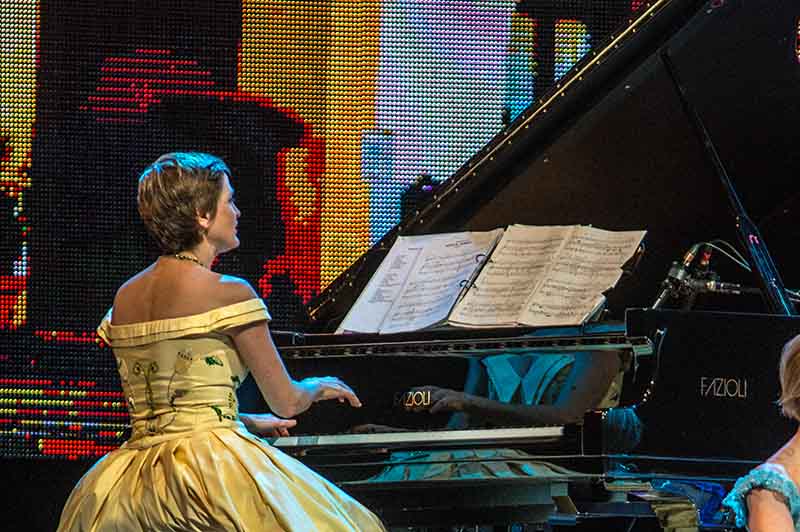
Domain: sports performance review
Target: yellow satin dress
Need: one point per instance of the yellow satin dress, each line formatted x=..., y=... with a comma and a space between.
x=190, y=464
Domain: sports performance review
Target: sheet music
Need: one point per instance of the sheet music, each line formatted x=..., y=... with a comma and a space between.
x=518, y=263
x=588, y=264
x=549, y=275
x=437, y=279
x=418, y=281
x=376, y=299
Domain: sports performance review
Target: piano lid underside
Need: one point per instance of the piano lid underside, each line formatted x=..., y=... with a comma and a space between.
x=617, y=151
x=633, y=160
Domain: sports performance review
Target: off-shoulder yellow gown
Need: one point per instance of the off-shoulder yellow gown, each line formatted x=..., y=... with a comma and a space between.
x=190, y=464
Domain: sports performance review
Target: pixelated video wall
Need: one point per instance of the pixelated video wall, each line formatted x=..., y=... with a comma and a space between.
x=328, y=114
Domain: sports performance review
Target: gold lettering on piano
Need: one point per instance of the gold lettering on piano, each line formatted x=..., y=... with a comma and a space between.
x=413, y=399
x=723, y=387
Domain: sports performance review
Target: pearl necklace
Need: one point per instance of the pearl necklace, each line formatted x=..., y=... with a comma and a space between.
x=191, y=258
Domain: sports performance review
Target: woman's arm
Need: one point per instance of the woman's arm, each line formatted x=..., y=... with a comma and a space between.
x=285, y=396
x=767, y=511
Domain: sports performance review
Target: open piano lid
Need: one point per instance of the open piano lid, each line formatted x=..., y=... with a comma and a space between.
x=611, y=146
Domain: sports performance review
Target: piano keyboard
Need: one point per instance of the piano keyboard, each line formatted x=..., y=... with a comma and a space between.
x=438, y=438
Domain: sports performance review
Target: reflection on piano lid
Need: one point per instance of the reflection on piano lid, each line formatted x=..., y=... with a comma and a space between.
x=399, y=383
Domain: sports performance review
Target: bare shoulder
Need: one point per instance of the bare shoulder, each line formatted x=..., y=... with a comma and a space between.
x=173, y=289
x=228, y=290
x=781, y=468
x=132, y=284
x=786, y=460
x=129, y=297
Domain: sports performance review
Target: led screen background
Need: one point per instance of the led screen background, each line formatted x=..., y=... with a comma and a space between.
x=326, y=112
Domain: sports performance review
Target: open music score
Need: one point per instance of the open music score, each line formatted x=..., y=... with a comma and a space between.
x=418, y=282
x=589, y=263
x=523, y=275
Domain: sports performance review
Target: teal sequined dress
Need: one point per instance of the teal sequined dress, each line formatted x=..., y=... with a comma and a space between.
x=767, y=476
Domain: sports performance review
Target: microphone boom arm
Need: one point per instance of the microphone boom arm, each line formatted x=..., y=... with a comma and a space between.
x=772, y=286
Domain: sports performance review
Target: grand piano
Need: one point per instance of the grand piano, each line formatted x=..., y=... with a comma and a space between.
x=617, y=144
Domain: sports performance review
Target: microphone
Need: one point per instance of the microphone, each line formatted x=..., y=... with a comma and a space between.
x=676, y=277
x=720, y=287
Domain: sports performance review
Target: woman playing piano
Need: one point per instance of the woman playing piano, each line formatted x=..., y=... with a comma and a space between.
x=767, y=498
x=184, y=338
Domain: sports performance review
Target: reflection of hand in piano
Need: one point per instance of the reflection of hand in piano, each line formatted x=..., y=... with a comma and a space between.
x=439, y=400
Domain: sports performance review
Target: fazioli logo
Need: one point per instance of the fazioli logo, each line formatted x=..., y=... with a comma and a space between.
x=723, y=387
x=417, y=398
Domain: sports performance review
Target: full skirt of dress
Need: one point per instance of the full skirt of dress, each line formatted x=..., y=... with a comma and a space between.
x=218, y=479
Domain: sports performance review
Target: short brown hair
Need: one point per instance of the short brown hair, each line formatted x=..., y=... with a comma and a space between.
x=173, y=191
x=790, y=379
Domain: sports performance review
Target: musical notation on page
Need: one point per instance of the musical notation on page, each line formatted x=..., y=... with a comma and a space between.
x=418, y=282
x=589, y=263
x=534, y=275
x=517, y=265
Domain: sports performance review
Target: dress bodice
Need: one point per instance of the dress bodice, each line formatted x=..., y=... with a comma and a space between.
x=180, y=374
x=190, y=465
